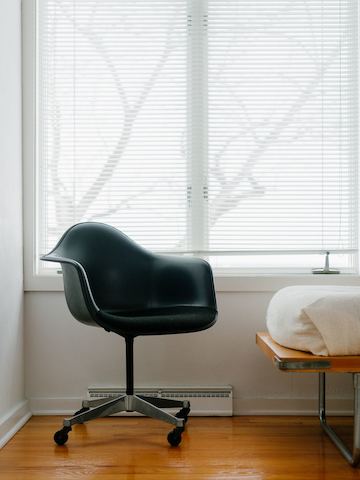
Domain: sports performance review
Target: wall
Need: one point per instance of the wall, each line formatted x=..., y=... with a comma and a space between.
x=13, y=408
x=64, y=357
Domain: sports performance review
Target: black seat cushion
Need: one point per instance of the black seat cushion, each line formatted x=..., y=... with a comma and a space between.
x=157, y=321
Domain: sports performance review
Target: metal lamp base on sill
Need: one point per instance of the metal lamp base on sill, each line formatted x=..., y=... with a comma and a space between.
x=326, y=270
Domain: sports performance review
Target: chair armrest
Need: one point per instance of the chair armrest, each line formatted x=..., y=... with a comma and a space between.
x=182, y=281
x=77, y=289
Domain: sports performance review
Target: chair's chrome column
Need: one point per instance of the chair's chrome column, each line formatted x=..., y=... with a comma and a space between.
x=354, y=457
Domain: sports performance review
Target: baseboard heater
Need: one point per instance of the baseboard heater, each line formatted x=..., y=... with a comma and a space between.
x=213, y=400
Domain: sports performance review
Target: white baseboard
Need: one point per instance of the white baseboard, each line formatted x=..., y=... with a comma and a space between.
x=242, y=406
x=68, y=406
x=13, y=421
x=291, y=406
x=55, y=405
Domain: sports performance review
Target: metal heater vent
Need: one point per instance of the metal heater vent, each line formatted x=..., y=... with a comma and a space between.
x=212, y=400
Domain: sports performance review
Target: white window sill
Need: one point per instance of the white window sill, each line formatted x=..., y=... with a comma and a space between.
x=225, y=283
x=273, y=282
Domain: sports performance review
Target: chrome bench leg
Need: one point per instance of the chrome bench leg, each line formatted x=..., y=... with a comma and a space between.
x=352, y=457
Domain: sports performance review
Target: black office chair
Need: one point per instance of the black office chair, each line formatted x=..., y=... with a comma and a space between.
x=113, y=283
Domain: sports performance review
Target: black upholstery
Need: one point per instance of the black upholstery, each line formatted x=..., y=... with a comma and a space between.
x=112, y=282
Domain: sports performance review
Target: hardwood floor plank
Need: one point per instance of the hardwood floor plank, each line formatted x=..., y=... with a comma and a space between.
x=249, y=448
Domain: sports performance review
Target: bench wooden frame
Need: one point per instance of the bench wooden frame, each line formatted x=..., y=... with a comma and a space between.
x=289, y=360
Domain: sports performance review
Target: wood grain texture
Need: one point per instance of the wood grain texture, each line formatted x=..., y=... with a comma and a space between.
x=251, y=448
x=274, y=351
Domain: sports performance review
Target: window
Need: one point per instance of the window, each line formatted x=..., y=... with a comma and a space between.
x=223, y=128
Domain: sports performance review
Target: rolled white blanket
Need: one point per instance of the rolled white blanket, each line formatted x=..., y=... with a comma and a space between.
x=323, y=320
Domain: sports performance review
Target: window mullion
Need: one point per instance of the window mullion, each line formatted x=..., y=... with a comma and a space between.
x=197, y=125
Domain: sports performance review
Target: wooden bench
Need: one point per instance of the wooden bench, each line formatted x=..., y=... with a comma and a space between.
x=289, y=360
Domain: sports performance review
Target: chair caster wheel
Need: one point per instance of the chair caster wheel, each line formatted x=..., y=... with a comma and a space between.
x=82, y=410
x=61, y=436
x=174, y=437
x=183, y=413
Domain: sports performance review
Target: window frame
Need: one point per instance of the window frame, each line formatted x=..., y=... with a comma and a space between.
x=226, y=280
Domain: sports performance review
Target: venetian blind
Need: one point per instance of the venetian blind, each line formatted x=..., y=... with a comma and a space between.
x=216, y=127
x=282, y=125
x=112, y=89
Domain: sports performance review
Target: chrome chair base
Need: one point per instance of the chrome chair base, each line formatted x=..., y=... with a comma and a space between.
x=149, y=406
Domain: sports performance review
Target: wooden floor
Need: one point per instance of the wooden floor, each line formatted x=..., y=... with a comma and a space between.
x=252, y=448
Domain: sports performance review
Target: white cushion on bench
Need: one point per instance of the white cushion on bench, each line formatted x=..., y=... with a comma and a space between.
x=323, y=320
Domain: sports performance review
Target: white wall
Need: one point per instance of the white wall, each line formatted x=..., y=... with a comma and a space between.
x=64, y=357
x=13, y=410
